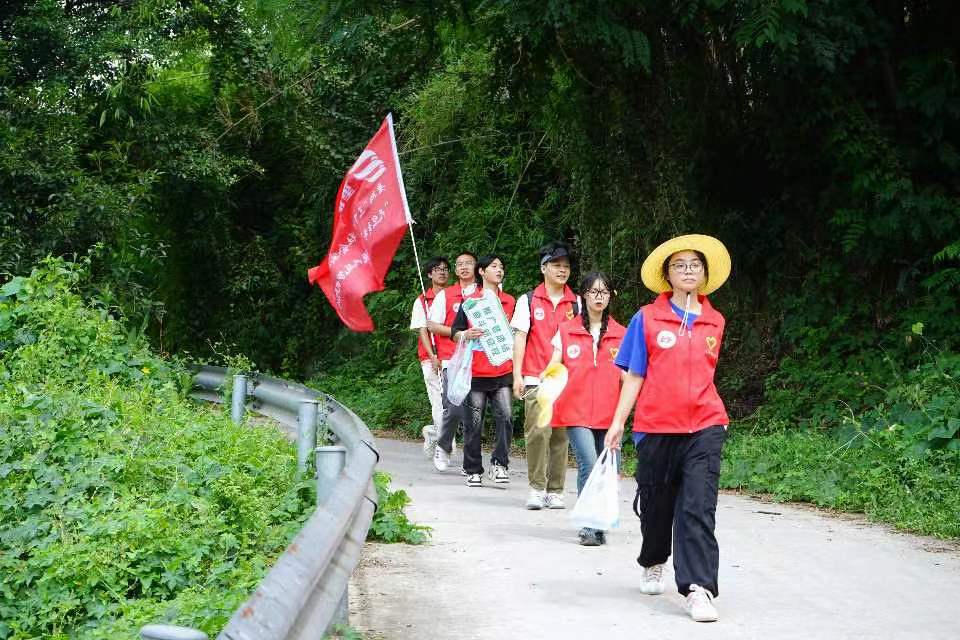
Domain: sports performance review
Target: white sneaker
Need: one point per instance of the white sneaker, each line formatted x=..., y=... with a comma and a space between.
x=699, y=605
x=652, y=581
x=475, y=480
x=555, y=501
x=498, y=474
x=536, y=500
x=441, y=459
x=429, y=439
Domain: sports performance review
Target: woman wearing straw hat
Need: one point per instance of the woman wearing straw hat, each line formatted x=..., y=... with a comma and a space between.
x=670, y=355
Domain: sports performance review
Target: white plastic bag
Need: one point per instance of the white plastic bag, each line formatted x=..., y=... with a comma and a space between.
x=598, y=506
x=460, y=372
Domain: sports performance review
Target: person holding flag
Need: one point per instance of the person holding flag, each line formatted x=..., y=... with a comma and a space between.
x=669, y=354
x=437, y=271
x=539, y=314
x=442, y=313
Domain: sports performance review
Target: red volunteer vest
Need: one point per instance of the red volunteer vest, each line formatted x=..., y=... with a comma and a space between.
x=421, y=351
x=481, y=365
x=544, y=320
x=678, y=394
x=453, y=296
x=593, y=386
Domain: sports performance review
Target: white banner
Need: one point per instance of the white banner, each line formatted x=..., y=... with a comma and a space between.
x=486, y=313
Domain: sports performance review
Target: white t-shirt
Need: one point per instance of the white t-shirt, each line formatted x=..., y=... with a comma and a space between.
x=438, y=310
x=521, y=322
x=418, y=317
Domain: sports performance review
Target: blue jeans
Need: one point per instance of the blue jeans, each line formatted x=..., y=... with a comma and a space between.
x=474, y=407
x=587, y=445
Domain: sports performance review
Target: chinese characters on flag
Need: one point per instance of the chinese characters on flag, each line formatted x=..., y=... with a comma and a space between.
x=369, y=220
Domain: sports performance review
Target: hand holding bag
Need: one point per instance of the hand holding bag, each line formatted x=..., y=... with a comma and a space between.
x=460, y=372
x=598, y=506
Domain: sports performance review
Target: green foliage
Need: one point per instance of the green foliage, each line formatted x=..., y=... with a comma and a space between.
x=198, y=147
x=390, y=523
x=123, y=503
x=877, y=472
x=344, y=632
x=892, y=451
x=394, y=399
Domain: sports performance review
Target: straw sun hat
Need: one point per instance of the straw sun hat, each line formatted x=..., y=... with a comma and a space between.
x=718, y=262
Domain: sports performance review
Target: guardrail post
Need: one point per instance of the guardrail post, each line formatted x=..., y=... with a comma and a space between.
x=330, y=462
x=171, y=632
x=238, y=398
x=342, y=613
x=306, y=433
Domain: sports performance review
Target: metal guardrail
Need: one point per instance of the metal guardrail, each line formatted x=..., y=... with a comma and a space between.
x=305, y=592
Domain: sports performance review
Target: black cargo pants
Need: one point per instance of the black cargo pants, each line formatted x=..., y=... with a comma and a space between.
x=678, y=477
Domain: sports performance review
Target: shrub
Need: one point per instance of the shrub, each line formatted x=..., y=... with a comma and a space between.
x=121, y=502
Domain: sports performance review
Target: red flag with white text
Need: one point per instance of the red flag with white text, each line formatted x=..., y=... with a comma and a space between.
x=369, y=219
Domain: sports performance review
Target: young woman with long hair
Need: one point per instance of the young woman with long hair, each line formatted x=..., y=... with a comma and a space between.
x=588, y=345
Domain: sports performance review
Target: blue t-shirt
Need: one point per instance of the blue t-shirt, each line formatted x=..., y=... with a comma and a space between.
x=632, y=356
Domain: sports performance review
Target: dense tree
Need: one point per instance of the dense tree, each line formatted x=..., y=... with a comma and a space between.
x=200, y=143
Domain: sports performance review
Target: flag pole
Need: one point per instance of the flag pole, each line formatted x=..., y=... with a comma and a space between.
x=423, y=301
x=416, y=255
x=423, y=289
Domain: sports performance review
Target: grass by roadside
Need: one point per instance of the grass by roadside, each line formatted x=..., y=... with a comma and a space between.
x=876, y=473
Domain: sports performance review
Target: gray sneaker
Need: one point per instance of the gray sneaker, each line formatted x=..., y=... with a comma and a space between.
x=475, y=480
x=589, y=537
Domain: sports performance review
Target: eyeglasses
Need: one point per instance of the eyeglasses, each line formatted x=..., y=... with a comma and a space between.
x=683, y=267
x=440, y=270
x=466, y=264
x=597, y=293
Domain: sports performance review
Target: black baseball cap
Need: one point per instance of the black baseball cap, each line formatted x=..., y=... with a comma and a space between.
x=553, y=251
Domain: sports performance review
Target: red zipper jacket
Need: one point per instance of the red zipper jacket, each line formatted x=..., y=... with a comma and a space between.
x=421, y=351
x=544, y=320
x=481, y=365
x=593, y=384
x=453, y=296
x=679, y=395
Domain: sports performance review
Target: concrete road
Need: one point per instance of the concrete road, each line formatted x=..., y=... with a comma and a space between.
x=494, y=570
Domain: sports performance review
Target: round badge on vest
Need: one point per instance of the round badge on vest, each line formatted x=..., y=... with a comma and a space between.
x=538, y=313
x=666, y=339
x=573, y=351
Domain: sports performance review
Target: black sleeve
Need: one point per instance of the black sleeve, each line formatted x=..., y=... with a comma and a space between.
x=459, y=324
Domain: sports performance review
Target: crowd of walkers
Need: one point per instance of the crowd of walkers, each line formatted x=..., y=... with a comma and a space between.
x=660, y=367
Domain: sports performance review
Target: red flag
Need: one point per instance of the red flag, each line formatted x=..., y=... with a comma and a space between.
x=369, y=220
